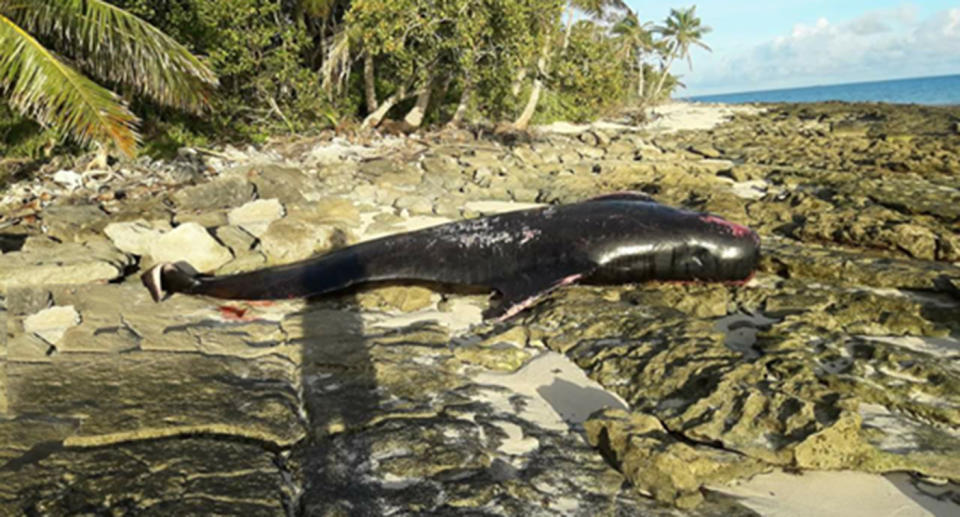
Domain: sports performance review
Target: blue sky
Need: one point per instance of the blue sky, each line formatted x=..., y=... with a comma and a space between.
x=763, y=45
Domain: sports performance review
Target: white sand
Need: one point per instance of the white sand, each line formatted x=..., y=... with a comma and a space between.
x=679, y=116
x=559, y=394
x=666, y=118
x=837, y=494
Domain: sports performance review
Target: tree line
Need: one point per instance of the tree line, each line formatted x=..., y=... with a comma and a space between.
x=179, y=71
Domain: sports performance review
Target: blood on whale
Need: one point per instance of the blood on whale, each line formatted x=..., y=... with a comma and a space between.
x=736, y=229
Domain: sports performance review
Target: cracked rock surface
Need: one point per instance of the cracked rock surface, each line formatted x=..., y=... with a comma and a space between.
x=842, y=354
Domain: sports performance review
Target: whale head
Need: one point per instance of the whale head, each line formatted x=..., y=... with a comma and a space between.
x=714, y=249
x=663, y=243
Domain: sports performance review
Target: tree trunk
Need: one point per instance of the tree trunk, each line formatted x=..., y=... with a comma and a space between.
x=465, y=95
x=663, y=77
x=518, y=82
x=524, y=119
x=374, y=119
x=415, y=116
x=569, y=28
x=369, y=86
x=640, y=84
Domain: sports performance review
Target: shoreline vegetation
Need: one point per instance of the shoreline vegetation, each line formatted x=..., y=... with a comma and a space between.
x=206, y=72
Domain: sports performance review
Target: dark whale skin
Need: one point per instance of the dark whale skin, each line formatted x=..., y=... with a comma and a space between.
x=619, y=238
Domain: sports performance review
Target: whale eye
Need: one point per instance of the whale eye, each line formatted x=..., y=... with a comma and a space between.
x=700, y=258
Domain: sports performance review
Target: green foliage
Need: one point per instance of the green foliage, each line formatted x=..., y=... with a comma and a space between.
x=22, y=137
x=104, y=41
x=585, y=83
x=262, y=53
x=299, y=65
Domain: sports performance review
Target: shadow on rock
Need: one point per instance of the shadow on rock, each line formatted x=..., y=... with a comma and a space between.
x=339, y=393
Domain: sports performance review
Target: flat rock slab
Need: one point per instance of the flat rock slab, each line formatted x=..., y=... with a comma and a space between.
x=136, y=237
x=51, y=324
x=255, y=217
x=71, y=263
x=192, y=243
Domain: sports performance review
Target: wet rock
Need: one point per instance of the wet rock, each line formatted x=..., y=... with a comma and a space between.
x=657, y=463
x=916, y=240
x=192, y=243
x=138, y=477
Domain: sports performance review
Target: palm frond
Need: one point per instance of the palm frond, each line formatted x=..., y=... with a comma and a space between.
x=118, y=46
x=336, y=66
x=41, y=86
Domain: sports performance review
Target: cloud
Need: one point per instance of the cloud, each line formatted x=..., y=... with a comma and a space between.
x=879, y=44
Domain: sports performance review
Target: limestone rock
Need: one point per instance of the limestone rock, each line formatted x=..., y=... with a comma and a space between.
x=238, y=240
x=222, y=193
x=50, y=324
x=406, y=299
x=73, y=263
x=136, y=237
x=292, y=238
x=657, y=463
x=73, y=223
x=255, y=217
x=192, y=243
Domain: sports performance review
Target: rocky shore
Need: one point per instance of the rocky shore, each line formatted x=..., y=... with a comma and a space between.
x=841, y=358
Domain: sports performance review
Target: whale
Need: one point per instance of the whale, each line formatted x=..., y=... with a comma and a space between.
x=521, y=255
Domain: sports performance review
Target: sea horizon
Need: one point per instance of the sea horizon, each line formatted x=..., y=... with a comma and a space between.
x=941, y=90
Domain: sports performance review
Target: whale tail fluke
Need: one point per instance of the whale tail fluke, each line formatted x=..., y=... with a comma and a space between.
x=165, y=278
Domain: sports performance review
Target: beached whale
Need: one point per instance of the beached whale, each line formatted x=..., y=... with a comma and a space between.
x=523, y=255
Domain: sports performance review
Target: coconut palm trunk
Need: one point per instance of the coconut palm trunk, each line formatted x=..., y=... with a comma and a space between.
x=374, y=118
x=663, y=76
x=415, y=116
x=369, y=84
x=569, y=28
x=518, y=82
x=640, y=83
x=464, y=102
x=524, y=119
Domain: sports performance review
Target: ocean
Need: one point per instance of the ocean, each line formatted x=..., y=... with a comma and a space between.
x=940, y=90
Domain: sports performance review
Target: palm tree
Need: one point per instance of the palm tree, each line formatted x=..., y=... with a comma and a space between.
x=636, y=40
x=682, y=29
x=106, y=42
x=594, y=9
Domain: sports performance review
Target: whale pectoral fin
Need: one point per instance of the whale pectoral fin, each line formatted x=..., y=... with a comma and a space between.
x=518, y=293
